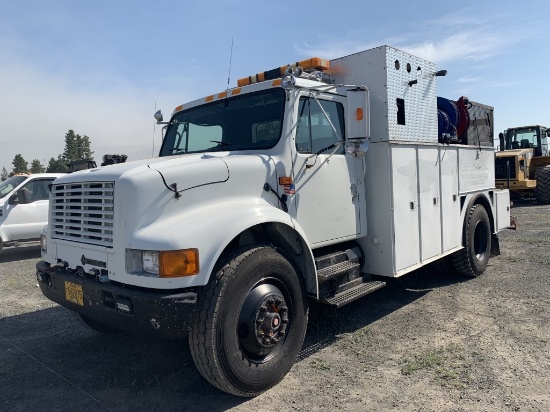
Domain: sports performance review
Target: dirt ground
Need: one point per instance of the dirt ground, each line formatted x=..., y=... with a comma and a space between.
x=428, y=342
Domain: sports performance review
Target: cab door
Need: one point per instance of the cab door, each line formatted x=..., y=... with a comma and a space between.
x=25, y=221
x=323, y=198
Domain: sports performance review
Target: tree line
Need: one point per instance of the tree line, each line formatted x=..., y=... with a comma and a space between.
x=77, y=147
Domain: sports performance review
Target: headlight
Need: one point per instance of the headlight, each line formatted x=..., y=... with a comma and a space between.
x=164, y=264
x=150, y=262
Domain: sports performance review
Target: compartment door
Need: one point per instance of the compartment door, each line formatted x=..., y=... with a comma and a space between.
x=405, y=206
x=430, y=201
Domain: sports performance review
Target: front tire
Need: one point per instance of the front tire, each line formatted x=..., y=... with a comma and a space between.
x=252, y=320
x=473, y=259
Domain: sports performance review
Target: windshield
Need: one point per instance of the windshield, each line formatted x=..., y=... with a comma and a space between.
x=523, y=138
x=9, y=184
x=248, y=122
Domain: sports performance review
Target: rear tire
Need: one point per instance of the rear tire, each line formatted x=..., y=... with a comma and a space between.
x=473, y=259
x=251, y=324
x=542, y=190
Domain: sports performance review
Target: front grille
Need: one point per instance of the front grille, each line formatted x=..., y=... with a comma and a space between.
x=83, y=212
x=501, y=167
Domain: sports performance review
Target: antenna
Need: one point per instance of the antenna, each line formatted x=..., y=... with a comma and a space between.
x=230, y=60
x=154, y=130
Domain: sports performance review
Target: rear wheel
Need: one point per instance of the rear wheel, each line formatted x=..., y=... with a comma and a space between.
x=252, y=320
x=542, y=190
x=473, y=259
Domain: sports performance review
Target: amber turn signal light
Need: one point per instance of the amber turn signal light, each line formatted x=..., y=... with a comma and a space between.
x=178, y=263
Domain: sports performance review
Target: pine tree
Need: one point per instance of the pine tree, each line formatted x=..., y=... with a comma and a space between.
x=57, y=165
x=36, y=167
x=20, y=165
x=76, y=147
x=71, y=147
x=4, y=174
x=84, y=147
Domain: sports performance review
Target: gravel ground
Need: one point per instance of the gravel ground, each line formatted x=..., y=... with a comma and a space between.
x=430, y=341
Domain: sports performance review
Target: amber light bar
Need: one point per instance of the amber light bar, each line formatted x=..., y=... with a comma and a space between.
x=308, y=64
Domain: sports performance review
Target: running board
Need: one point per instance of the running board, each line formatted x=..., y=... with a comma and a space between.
x=336, y=270
x=354, y=293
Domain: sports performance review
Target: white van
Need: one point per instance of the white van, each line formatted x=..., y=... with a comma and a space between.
x=24, y=203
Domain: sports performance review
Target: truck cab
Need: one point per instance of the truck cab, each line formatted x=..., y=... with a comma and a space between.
x=24, y=201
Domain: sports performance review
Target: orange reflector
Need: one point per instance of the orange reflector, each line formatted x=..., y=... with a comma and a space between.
x=177, y=109
x=285, y=180
x=235, y=91
x=222, y=95
x=277, y=82
x=178, y=263
x=209, y=98
x=359, y=113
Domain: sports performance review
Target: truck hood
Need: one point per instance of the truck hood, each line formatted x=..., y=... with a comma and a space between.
x=199, y=171
x=204, y=169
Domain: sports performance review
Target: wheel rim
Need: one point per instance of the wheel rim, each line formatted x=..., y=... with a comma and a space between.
x=481, y=238
x=263, y=322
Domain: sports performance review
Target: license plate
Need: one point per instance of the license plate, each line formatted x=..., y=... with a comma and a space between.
x=74, y=293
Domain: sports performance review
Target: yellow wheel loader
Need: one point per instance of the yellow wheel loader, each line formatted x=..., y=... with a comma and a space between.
x=522, y=163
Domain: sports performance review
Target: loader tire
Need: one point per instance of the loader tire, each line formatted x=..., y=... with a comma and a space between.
x=473, y=259
x=542, y=190
x=251, y=322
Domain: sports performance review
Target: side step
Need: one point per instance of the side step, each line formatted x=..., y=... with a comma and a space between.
x=336, y=270
x=354, y=293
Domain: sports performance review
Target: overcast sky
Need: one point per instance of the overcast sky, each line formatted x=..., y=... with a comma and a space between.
x=101, y=67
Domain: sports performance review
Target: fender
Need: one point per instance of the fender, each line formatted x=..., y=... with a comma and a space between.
x=210, y=229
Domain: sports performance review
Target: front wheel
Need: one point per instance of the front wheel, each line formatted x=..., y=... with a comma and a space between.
x=473, y=259
x=252, y=320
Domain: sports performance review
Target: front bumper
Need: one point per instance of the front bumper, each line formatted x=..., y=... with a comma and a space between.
x=166, y=314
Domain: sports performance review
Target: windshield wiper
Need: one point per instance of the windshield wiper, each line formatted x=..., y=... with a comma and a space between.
x=222, y=144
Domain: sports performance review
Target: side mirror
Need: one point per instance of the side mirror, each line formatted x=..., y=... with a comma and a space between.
x=358, y=114
x=158, y=116
x=24, y=196
x=548, y=133
x=358, y=122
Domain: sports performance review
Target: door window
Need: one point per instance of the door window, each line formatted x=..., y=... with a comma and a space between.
x=38, y=189
x=314, y=131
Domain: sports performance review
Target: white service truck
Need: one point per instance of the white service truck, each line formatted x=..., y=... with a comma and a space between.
x=24, y=207
x=312, y=181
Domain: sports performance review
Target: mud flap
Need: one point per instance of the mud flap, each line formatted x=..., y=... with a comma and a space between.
x=495, y=247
